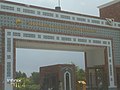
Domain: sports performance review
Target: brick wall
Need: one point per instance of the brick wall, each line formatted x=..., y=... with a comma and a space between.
x=112, y=11
x=57, y=71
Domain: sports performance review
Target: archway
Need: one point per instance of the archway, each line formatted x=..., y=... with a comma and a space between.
x=98, y=51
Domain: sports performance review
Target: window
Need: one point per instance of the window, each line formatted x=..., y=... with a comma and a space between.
x=18, y=9
x=57, y=15
x=111, y=70
x=102, y=22
x=39, y=36
x=8, y=44
x=16, y=34
x=74, y=39
x=104, y=42
x=48, y=37
x=9, y=33
x=7, y=7
x=8, y=69
x=96, y=21
x=118, y=25
x=65, y=17
x=65, y=39
x=81, y=19
x=73, y=18
x=96, y=41
x=38, y=12
x=67, y=80
x=89, y=41
x=48, y=14
x=29, y=11
x=88, y=20
x=29, y=35
x=109, y=52
x=57, y=38
x=82, y=40
x=8, y=56
x=109, y=43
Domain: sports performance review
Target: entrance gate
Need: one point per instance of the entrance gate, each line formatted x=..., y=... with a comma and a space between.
x=98, y=51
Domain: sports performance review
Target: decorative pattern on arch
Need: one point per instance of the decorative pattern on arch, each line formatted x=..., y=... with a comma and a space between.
x=10, y=35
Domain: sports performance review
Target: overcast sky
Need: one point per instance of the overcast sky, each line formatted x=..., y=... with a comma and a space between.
x=80, y=6
x=30, y=60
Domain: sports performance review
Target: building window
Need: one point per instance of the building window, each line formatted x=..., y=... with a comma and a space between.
x=73, y=18
x=8, y=44
x=39, y=36
x=89, y=41
x=8, y=56
x=81, y=19
x=65, y=17
x=88, y=20
x=8, y=69
x=57, y=15
x=96, y=21
x=102, y=22
x=57, y=38
x=109, y=51
x=118, y=25
x=16, y=34
x=48, y=14
x=48, y=37
x=38, y=12
x=97, y=41
x=82, y=40
x=29, y=11
x=111, y=70
x=18, y=9
x=109, y=43
x=65, y=39
x=74, y=39
x=9, y=33
x=7, y=7
x=29, y=35
x=104, y=42
x=67, y=80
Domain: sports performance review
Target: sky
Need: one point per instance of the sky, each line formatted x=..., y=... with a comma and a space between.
x=88, y=7
x=29, y=60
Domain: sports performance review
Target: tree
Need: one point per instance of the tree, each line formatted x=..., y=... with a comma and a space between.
x=80, y=74
x=28, y=83
x=35, y=78
x=20, y=75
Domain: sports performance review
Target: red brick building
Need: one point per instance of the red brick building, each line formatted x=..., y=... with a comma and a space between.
x=111, y=10
x=58, y=77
